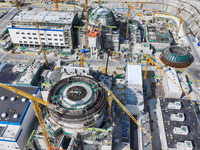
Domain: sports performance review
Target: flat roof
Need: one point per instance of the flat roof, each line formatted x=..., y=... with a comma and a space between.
x=171, y=86
x=6, y=73
x=41, y=15
x=134, y=74
x=190, y=121
x=14, y=107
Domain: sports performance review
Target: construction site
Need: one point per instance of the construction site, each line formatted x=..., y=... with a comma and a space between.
x=99, y=75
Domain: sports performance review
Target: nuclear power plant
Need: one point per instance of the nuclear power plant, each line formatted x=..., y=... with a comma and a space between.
x=99, y=75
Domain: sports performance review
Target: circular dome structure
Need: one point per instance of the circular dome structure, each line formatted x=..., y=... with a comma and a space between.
x=175, y=56
x=82, y=99
x=101, y=16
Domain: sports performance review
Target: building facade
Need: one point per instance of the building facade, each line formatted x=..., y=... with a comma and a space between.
x=55, y=29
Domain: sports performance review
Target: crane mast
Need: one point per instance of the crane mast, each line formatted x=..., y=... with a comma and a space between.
x=125, y=109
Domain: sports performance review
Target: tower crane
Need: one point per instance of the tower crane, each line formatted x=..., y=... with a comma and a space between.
x=125, y=109
x=181, y=20
x=139, y=13
x=154, y=12
x=56, y=4
x=36, y=24
x=86, y=25
x=145, y=74
x=159, y=68
x=36, y=107
x=43, y=51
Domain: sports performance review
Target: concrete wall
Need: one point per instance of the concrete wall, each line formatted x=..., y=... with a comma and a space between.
x=189, y=10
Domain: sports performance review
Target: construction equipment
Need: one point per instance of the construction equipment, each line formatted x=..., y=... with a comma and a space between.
x=103, y=69
x=17, y=5
x=36, y=107
x=154, y=12
x=108, y=53
x=43, y=51
x=56, y=4
x=181, y=20
x=99, y=2
x=81, y=61
x=129, y=14
x=124, y=109
x=110, y=108
x=145, y=74
x=159, y=68
x=86, y=25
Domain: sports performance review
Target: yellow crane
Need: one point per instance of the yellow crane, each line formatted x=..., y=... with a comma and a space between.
x=99, y=2
x=181, y=19
x=145, y=74
x=36, y=24
x=124, y=109
x=43, y=51
x=86, y=25
x=159, y=68
x=56, y=4
x=154, y=12
x=36, y=107
x=110, y=108
x=139, y=13
x=129, y=15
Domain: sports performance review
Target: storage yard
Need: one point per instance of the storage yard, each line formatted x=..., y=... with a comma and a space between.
x=99, y=75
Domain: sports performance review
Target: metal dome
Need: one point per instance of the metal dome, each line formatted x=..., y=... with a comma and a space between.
x=101, y=16
x=175, y=56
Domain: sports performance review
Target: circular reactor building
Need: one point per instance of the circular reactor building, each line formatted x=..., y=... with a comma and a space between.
x=83, y=102
x=175, y=56
x=101, y=16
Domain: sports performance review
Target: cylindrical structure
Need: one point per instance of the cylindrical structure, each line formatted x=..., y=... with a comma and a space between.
x=81, y=98
x=101, y=16
x=175, y=56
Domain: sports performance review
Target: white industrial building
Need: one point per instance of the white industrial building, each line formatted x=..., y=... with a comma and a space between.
x=170, y=89
x=178, y=125
x=17, y=118
x=134, y=90
x=55, y=28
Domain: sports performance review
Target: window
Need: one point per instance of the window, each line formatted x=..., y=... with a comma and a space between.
x=61, y=39
x=29, y=33
x=48, y=34
x=23, y=37
x=36, y=42
x=20, y=41
x=61, y=44
x=55, y=34
x=49, y=39
x=22, y=33
x=56, y=39
x=56, y=43
x=41, y=34
x=60, y=35
x=35, y=38
x=29, y=37
x=42, y=38
x=50, y=43
x=43, y=42
x=25, y=41
x=34, y=33
x=17, y=32
x=31, y=42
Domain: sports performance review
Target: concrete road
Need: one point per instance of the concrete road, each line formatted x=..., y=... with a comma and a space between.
x=6, y=19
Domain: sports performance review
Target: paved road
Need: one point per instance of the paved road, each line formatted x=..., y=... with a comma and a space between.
x=6, y=19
